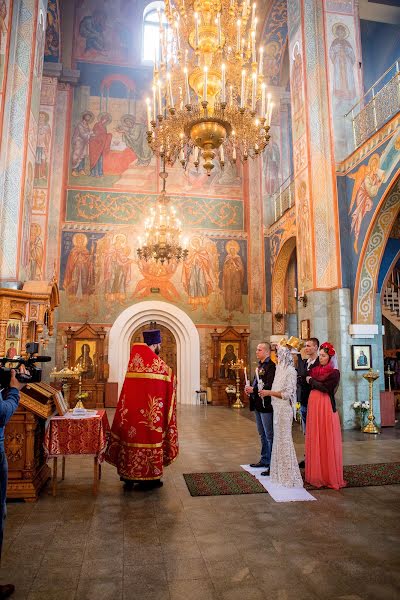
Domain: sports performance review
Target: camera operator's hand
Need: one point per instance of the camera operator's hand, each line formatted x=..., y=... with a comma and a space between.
x=13, y=379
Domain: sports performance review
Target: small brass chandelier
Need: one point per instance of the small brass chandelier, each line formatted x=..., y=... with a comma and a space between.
x=209, y=99
x=163, y=231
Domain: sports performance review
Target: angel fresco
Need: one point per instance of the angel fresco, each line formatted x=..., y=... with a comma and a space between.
x=367, y=181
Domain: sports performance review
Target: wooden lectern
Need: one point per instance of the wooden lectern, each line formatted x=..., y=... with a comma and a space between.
x=24, y=437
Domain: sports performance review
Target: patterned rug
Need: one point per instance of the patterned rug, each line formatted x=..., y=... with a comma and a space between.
x=240, y=482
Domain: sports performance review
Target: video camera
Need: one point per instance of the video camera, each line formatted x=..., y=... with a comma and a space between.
x=33, y=373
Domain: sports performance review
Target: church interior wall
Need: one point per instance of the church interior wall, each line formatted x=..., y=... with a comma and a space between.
x=380, y=49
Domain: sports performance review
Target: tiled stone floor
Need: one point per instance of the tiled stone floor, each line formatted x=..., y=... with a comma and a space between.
x=166, y=545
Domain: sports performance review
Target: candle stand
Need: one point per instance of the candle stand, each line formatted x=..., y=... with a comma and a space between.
x=370, y=377
x=237, y=366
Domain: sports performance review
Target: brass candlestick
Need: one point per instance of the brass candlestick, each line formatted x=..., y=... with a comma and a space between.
x=64, y=375
x=237, y=366
x=389, y=373
x=80, y=395
x=370, y=377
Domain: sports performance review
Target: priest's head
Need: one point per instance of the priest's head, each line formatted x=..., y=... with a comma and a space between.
x=152, y=337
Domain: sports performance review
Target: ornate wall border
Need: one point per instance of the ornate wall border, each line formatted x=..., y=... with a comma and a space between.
x=372, y=253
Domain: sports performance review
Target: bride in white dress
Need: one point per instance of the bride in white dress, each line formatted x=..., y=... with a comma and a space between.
x=284, y=465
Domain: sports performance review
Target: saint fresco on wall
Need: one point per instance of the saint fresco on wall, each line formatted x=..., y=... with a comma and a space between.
x=101, y=275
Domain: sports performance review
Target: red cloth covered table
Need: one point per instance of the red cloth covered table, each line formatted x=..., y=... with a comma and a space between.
x=71, y=435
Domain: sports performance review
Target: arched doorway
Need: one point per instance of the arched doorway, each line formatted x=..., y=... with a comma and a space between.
x=182, y=328
x=168, y=347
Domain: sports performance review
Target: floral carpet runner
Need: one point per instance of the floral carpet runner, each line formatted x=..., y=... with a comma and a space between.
x=241, y=482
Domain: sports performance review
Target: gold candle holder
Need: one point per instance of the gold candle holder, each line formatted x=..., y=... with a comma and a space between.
x=237, y=366
x=389, y=373
x=370, y=377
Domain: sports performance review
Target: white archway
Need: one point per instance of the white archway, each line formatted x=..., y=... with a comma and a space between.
x=187, y=341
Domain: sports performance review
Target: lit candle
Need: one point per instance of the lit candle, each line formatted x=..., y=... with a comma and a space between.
x=242, y=89
x=196, y=154
x=148, y=114
x=155, y=58
x=159, y=98
x=154, y=103
x=187, y=86
x=253, y=92
x=171, y=98
x=205, y=85
x=295, y=292
x=196, y=30
x=260, y=60
x=223, y=69
x=234, y=154
x=238, y=37
x=222, y=156
x=245, y=376
x=257, y=375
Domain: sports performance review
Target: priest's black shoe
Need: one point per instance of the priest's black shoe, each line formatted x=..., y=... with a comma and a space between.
x=265, y=473
x=6, y=591
x=258, y=465
x=302, y=464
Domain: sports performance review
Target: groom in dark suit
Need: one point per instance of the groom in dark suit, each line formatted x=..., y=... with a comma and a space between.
x=303, y=388
x=260, y=403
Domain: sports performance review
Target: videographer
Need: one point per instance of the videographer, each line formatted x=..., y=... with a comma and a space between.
x=8, y=405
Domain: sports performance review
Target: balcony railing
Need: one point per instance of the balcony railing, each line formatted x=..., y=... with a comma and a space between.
x=379, y=104
x=283, y=199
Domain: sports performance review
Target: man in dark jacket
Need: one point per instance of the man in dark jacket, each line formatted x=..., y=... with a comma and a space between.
x=303, y=388
x=261, y=403
x=7, y=408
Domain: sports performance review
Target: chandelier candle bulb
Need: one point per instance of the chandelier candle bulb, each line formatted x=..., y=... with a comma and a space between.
x=159, y=99
x=238, y=36
x=205, y=85
x=171, y=98
x=154, y=103
x=196, y=30
x=260, y=60
x=253, y=92
x=148, y=114
x=253, y=15
x=271, y=106
x=223, y=69
x=187, y=86
x=253, y=47
x=262, y=99
x=242, y=89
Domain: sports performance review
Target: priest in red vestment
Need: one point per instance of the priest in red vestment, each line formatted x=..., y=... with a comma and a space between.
x=144, y=434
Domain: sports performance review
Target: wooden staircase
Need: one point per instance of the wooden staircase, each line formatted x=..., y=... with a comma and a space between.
x=391, y=299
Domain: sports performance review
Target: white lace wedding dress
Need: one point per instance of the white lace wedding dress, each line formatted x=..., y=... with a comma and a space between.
x=284, y=466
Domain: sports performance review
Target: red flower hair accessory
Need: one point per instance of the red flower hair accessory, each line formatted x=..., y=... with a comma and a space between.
x=328, y=348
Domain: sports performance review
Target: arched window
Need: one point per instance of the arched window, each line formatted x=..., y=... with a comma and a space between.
x=151, y=30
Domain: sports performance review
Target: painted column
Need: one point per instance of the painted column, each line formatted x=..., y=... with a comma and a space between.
x=17, y=154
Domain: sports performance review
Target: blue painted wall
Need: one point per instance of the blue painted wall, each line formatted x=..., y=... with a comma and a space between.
x=380, y=49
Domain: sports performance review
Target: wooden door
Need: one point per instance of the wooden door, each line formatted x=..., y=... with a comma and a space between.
x=168, y=344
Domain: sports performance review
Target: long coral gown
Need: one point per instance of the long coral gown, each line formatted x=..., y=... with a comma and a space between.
x=324, y=460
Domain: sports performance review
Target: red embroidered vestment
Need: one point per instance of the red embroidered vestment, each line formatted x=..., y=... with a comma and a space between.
x=144, y=434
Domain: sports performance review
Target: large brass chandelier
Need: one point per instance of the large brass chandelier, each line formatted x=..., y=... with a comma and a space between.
x=163, y=231
x=209, y=98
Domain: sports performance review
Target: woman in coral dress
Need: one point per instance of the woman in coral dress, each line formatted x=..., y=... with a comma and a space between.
x=324, y=461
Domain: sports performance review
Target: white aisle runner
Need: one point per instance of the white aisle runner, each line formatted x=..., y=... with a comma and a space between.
x=279, y=493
